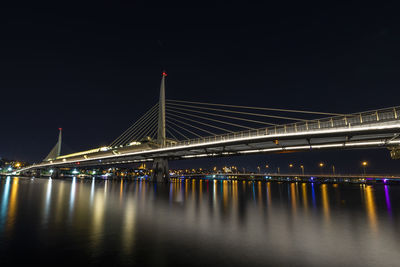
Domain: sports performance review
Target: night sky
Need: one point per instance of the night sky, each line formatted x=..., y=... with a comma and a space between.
x=93, y=70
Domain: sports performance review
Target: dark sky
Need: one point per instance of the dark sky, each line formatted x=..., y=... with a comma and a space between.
x=94, y=69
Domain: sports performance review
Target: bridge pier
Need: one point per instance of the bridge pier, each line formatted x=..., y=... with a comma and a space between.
x=160, y=169
x=37, y=173
x=56, y=173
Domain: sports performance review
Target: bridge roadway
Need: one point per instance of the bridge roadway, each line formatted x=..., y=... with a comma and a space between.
x=372, y=129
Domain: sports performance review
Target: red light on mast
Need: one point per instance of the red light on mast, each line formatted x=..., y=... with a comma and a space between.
x=60, y=129
x=164, y=74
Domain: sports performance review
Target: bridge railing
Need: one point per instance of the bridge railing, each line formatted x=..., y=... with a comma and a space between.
x=343, y=121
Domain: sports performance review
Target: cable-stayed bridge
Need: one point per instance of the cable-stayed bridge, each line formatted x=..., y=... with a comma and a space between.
x=176, y=129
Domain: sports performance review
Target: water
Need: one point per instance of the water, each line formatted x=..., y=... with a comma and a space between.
x=213, y=223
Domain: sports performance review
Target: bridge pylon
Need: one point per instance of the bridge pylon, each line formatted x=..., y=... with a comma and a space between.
x=160, y=165
x=56, y=151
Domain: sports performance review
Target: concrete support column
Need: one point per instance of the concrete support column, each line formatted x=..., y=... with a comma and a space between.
x=37, y=173
x=56, y=173
x=160, y=170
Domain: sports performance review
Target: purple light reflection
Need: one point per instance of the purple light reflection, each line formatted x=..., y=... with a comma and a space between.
x=389, y=208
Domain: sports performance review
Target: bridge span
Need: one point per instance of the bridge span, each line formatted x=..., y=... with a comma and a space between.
x=370, y=129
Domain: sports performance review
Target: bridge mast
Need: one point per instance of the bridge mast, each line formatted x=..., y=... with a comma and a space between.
x=59, y=142
x=56, y=151
x=161, y=137
x=160, y=165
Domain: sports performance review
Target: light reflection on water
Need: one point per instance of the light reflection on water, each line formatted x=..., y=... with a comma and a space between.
x=125, y=222
x=4, y=202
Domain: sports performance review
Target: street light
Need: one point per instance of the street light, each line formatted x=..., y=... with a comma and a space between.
x=333, y=170
x=321, y=165
x=259, y=169
x=364, y=164
x=302, y=169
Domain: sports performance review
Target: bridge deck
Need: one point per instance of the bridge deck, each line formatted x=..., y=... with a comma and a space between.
x=369, y=129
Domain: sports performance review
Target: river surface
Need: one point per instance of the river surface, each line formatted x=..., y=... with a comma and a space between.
x=192, y=223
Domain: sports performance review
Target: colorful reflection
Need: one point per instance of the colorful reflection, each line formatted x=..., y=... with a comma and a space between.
x=47, y=201
x=127, y=220
x=268, y=194
x=128, y=233
x=325, y=201
x=313, y=195
x=121, y=189
x=13, y=204
x=225, y=194
x=59, y=208
x=99, y=208
x=293, y=194
x=387, y=199
x=4, y=202
x=370, y=207
x=72, y=196
x=304, y=196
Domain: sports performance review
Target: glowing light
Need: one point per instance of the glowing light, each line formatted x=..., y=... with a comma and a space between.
x=134, y=143
x=371, y=207
x=388, y=199
x=4, y=202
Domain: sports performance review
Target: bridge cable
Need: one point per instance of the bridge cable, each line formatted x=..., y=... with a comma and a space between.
x=203, y=123
x=178, y=132
x=139, y=128
x=203, y=130
x=154, y=133
x=257, y=108
x=192, y=126
x=242, y=112
x=144, y=130
x=151, y=128
x=219, y=121
x=224, y=116
x=171, y=134
x=132, y=126
x=183, y=128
